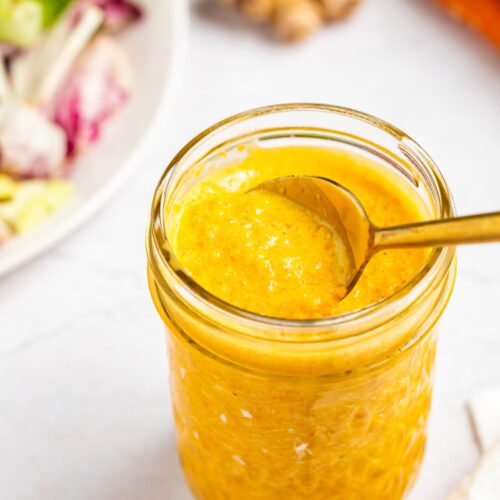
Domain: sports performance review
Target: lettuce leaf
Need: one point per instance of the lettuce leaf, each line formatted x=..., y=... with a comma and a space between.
x=52, y=9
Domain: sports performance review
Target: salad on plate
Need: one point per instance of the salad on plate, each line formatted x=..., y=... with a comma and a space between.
x=63, y=77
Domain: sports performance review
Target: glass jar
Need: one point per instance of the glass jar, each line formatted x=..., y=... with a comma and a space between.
x=332, y=408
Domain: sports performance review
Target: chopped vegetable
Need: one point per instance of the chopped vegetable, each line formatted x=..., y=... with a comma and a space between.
x=37, y=74
x=20, y=22
x=55, y=97
x=31, y=202
x=99, y=85
x=7, y=188
x=23, y=21
x=117, y=13
x=30, y=145
x=52, y=10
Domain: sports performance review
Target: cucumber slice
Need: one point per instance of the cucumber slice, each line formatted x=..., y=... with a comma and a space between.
x=22, y=21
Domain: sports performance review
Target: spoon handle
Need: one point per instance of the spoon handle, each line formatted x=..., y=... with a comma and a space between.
x=456, y=231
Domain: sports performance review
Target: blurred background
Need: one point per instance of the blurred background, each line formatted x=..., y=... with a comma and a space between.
x=84, y=403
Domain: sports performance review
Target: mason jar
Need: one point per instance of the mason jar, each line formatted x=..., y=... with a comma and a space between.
x=333, y=408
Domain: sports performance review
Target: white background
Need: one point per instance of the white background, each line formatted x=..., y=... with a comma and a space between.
x=84, y=405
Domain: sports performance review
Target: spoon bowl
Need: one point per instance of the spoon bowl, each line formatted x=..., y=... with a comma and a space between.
x=339, y=208
x=346, y=216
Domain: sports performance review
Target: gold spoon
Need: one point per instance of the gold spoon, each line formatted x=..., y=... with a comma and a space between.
x=343, y=211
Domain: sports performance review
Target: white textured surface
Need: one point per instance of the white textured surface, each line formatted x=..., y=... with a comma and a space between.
x=84, y=407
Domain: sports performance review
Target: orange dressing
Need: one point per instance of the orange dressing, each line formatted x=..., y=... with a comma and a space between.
x=263, y=253
x=265, y=420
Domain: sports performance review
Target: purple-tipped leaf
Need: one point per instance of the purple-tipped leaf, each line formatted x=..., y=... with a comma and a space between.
x=98, y=86
x=117, y=13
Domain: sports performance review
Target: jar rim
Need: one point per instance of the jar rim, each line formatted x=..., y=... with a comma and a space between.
x=438, y=262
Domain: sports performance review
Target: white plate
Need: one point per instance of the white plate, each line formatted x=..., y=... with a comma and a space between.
x=156, y=49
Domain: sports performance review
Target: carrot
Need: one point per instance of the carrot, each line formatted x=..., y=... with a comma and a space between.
x=483, y=15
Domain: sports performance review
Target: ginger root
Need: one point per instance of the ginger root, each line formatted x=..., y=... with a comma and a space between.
x=294, y=20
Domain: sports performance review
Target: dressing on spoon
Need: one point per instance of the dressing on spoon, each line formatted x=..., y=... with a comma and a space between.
x=342, y=210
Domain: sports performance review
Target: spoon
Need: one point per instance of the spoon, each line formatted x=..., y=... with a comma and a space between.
x=343, y=211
